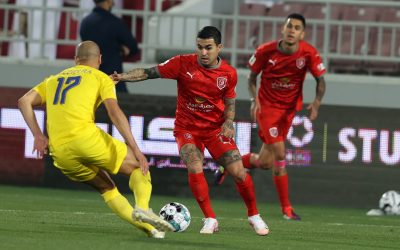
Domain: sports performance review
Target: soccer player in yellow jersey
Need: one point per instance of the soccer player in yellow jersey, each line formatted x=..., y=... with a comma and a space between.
x=82, y=151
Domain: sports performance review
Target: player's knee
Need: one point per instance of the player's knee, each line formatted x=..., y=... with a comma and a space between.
x=266, y=164
x=238, y=173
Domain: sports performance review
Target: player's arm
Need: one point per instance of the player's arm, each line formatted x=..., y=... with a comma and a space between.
x=252, y=88
x=229, y=115
x=136, y=75
x=320, y=92
x=25, y=105
x=120, y=121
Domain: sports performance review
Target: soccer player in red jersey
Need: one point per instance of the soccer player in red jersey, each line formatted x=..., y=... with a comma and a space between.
x=283, y=65
x=204, y=119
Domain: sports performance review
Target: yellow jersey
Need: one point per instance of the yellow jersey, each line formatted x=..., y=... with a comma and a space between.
x=71, y=99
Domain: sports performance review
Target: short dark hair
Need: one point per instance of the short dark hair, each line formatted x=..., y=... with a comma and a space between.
x=210, y=32
x=98, y=1
x=298, y=17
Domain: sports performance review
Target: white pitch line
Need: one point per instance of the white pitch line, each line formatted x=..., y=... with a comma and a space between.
x=193, y=217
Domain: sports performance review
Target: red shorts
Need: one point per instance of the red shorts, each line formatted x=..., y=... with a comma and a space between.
x=274, y=124
x=216, y=144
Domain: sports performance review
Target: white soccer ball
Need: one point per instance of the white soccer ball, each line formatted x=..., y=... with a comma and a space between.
x=177, y=215
x=390, y=202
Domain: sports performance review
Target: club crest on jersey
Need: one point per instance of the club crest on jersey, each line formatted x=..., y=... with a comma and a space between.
x=273, y=132
x=188, y=136
x=300, y=62
x=221, y=82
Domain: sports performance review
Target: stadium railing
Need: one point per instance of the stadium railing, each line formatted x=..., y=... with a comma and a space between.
x=355, y=35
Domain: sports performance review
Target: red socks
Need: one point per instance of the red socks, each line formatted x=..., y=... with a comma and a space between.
x=282, y=185
x=246, y=190
x=199, y=187
x=246, y=160
x=248, y=164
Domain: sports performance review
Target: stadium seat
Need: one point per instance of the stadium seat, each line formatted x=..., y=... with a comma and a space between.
x=272, y=30
x=354, y=39
x=387, y=48
x=315, y=32
x=246, y=30
x=65, y=51
x=5, y=30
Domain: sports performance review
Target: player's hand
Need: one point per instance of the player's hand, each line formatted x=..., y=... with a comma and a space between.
x=115, y=77
x=40, y=145
x=254, y=109
x=144, y=164
x=313, y=108
x=125, y=50
x=228, y=130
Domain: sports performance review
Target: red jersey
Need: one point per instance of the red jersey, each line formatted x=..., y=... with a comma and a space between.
x=201, y=91
x=283, y=75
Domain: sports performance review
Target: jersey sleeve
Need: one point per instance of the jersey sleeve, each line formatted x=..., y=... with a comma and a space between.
x=316, y=67
x=41, y=90
x=170, y=68
x=256, y=61
x=231, y=92
x=107, y=88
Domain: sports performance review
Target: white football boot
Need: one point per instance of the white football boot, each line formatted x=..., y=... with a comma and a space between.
x=148, y=216
x=258, y=225
x=210, y=226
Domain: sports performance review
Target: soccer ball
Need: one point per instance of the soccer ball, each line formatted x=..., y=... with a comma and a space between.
x=177, y=215
x=390, y=203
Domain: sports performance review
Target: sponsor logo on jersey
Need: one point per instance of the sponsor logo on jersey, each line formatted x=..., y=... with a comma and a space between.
x=252, y=59
x=188, y=136
x=283, y=83
x=300, y=62
x=200, y=106
x=221, y=82
x=321, y=67
x=273, y=62
x=191, y=75
x=199, y=99
x=273, y=132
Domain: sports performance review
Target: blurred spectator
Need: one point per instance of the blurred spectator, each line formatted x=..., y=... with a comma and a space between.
x=28, y=24
x=112, y=35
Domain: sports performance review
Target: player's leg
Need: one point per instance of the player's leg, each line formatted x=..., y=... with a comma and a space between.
x=264, y=160
x=249, y=160
x=107, y=153
x=225, y=152
x=141, y=187
x=191, y=151
x=274, y=125
x=244, y=185
x=281, y=181
x=193, y=159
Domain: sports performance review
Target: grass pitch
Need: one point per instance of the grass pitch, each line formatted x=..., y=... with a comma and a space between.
x=39, y=218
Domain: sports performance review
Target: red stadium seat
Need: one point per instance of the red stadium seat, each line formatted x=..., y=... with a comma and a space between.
x=387, y=48
x=65, y=51
x=4, y=45
x=246, y=32
x=281, y=10
x=363, y=38
x=315, y=32
x=245, y=27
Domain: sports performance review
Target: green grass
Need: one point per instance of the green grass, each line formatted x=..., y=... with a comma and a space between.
x=38, y=218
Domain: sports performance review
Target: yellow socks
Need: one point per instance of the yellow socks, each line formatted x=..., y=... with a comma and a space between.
x=141, y=186
x=120, y=206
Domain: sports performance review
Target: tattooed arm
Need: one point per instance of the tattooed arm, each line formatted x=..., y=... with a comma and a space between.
x=229, y=114
x=320, y=91
x=136, y=75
